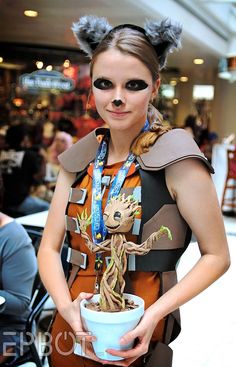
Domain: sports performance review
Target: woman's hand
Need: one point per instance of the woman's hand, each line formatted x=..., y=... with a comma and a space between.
x=143, y=333
x=71, y=314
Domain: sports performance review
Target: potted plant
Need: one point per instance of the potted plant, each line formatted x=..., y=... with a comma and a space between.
x=118, y=312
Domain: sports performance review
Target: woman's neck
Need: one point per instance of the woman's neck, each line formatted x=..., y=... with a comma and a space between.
x=119, y=146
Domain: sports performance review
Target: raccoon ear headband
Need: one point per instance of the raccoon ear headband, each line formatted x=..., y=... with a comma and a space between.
x=164, y=36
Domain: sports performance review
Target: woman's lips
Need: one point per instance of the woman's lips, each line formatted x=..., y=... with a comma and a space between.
x=118, y=113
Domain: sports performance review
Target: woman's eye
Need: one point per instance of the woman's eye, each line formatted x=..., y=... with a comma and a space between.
x=117, y=216
x=102, y=84
x=136, y=85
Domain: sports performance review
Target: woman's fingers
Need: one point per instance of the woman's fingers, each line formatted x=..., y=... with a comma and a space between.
x=84, y=295
x=83, y=337
x=136, y=352
x=88, y=352
x=130, y=336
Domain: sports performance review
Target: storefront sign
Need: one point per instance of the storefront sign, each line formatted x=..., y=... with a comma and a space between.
x=46, y=80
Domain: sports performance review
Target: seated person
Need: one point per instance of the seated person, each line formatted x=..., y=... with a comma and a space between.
x=61, y=142
x=18, y=268
x=21, y=168
x=208, y=139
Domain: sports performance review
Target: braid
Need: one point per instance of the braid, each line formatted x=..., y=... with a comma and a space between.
x=146, y=139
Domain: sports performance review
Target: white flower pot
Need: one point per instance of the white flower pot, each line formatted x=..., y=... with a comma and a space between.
x=109, y=327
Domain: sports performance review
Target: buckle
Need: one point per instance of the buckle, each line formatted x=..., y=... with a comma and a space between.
x=77, y=196
x=131, y=263
x=76, y=257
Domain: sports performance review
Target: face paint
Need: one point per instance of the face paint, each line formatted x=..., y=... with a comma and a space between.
x=132, y=85
x=136, y=85
x=102, y=84
x=119, y=77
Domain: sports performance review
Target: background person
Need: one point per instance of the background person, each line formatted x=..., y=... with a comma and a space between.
x=18, y=268
x=22, y=168
x=61, y=142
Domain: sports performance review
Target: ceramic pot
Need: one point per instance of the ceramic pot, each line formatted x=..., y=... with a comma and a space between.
x=109, y=327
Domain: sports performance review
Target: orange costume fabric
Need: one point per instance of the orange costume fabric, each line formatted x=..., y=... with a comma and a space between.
x=144, y=284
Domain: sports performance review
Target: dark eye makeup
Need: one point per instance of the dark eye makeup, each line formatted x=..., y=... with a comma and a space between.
x=132, y=85
x=102, y=83
x=136, y=84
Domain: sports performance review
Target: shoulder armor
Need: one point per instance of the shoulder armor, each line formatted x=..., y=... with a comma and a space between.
x=77, y=157
x=173, y=146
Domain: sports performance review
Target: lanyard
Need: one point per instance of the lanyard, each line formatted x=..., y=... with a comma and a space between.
x=99, y=230
x=98, y=227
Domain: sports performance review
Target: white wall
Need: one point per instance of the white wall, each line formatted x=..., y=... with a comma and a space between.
x=224, y=108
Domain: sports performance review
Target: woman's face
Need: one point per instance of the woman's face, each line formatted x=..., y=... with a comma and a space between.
x=62, y=142
x=117, y=76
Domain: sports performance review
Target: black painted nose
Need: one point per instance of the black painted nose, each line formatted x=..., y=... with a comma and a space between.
x=117, y=102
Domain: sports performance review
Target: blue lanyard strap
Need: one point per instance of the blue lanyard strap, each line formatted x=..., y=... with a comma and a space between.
x=98, y=227
x=99, y=230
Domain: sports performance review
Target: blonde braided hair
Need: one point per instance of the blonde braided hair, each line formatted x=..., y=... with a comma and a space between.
x=146, y=139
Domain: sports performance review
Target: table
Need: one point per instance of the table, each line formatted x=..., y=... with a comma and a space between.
x=37, y=220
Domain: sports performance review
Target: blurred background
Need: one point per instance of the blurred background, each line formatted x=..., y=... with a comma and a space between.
x=42, y=40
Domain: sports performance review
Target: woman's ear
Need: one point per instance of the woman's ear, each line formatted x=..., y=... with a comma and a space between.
x=156, y=86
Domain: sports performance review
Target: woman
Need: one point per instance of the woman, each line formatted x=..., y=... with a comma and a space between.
x=61, y=142
x=18, y=267
x=177, y=191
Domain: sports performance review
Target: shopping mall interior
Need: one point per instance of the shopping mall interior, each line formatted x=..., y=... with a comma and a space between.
x=45, y=96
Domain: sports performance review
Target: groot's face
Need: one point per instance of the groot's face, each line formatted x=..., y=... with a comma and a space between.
x=119, y=214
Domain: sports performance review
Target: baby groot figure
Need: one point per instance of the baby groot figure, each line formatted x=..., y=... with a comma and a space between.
x=119, y=215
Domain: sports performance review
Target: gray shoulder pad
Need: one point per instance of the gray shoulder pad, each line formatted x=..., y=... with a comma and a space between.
x=77, y=157
x=173, y=146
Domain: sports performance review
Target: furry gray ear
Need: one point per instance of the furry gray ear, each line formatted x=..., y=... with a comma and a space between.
x=89, y=31
x=164, y=36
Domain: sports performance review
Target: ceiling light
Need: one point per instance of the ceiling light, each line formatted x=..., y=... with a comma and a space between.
x=175, y=101
x=183, y=79
x=39, y=64
x=31, y=13
x=173, y=82
x=49, y=68
x=198, y=61
x=1, y=59
x=11, y=66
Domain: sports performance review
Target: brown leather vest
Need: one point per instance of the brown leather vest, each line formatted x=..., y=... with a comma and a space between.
x=158, y=207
